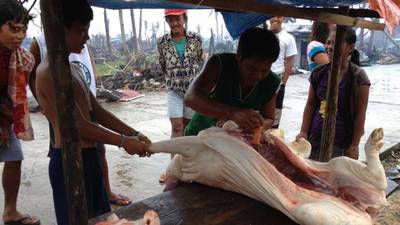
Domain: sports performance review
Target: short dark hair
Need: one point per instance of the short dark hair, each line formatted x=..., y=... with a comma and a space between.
x=319, y=32
x=76, y=10
x=350, y=36
x=14, y=11
x=259, y=43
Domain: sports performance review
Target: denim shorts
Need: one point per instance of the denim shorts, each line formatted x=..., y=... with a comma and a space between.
x=176, y=106
x=14, y=152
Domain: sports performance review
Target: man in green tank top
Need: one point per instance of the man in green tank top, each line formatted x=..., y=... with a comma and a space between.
x=239, y=87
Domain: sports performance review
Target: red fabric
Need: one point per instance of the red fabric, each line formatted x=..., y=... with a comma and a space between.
x=4, y=65
x=389, y=10
x=175, y=12
x=15, y=105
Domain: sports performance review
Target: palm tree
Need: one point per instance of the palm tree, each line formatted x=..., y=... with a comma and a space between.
x=106, y=23
x=134, y=35
x=140, y=29
x=123, y=37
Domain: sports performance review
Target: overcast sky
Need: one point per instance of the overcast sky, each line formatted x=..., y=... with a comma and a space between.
x=206, y=19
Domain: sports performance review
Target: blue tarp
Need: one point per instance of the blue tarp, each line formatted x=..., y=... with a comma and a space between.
x=235, y=22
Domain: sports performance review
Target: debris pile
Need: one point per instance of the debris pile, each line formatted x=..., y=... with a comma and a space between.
x=140, y=73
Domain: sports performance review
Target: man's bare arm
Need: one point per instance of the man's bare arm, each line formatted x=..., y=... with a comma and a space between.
x=268, y=113
x=197, y=98
x=108, y=120
x=288, y=68
x=34, y=49
x=197, y=95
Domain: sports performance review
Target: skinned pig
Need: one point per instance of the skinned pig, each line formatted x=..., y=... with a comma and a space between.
x=339, y=192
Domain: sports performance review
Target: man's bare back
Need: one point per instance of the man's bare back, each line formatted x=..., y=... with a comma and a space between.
x=46, y=98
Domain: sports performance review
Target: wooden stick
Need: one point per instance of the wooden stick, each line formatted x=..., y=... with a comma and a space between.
x=329, y=126
x=65, y=105
x=316, y=14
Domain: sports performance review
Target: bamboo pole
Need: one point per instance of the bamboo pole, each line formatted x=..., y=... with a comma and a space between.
x=329, y=127
x=64, y=100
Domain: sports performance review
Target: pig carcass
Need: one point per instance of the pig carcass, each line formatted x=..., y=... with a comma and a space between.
x=341, y=191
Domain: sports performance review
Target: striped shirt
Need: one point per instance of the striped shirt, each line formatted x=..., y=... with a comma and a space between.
x=313, y=48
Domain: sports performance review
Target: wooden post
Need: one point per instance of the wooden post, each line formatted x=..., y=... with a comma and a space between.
x=361, y=39
x=329, y=127
x=71, y=154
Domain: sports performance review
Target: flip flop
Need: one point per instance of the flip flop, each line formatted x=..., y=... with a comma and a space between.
x=118, y=201
x=20, y=221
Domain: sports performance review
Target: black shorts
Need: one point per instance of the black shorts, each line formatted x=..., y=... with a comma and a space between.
x=96, y=196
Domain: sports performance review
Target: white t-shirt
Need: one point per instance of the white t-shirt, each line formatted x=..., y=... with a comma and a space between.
x=82, y=60
x=288, y=48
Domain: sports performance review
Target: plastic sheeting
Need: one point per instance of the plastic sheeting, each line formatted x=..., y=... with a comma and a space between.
x=237, y=22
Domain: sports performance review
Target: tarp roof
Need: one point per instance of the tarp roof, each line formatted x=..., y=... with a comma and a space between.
x=237, y=22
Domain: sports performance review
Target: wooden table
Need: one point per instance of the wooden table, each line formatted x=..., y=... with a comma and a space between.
x=195, y=204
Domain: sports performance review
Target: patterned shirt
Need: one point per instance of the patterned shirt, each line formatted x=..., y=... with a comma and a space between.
x=179, y=74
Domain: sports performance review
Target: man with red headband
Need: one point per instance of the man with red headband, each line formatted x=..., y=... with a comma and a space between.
x=180, y=53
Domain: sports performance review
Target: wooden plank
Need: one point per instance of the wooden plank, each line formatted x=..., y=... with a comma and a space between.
x=64, y=100
x=329, y=126
x=195, y=204
x=353, y=12
x=368, y=13
x=289, y=11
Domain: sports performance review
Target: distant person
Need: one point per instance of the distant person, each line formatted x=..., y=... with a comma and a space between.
x=239, y=87
x=352, y=103
x=284, y=64
x=316, y=52
x=83, y=60
x=94, y=123
x=180, y=54
x=15, y=125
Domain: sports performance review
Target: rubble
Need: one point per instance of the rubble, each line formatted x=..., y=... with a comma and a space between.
x=140, y=73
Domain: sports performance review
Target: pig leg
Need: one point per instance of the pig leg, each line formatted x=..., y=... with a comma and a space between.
x=186, y=146
x=374, y=166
